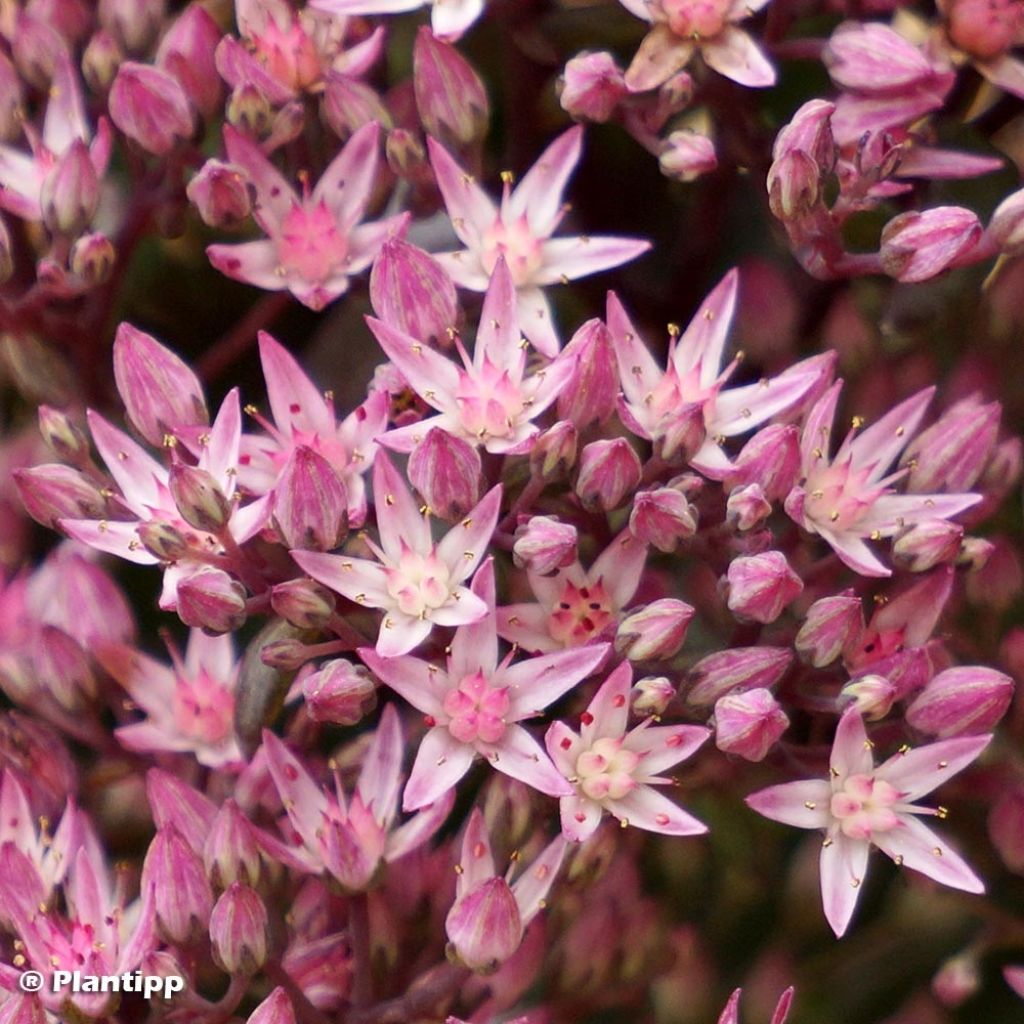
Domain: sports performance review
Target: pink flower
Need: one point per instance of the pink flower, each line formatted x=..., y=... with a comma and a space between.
x=449, y=19
x=985, y=32
x=474, y=705
x=490, y=400
x=520, y=229
x=417, y=583
x=614, y=770
x=860, y=805
x=315, y=242
x=681, y=27
x=848, y=497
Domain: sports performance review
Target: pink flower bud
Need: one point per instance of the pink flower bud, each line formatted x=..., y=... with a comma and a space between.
x=590, y=393
x=983, y=28
x=287, y=654
x=770, y=459
x=554, y=452
x=450, y=97
x=348, y=104
x=873, y=695
x=747, y=507
x=339, y=692
x=51, y=492
x=832, y=627
x=412, y=292
x=544, y=545
x=406, y=155
x=134, y=23
x=917, y=246
x=654, y=632
x=231, y=851
x=71, y=191
x=92, y=259
x=1006, y=228
x=794, y=186
x=749, y=723
x=249, y=110
x=310, y=504
x=687, y=155
x=12, y=98
x=961, y=702
x=957, y=980
x=810, y=132
x=951, y=453
x=592, y=86
x=662, y=517
x=609, y=472
x=652, y=695
x=63, y=437
x=64, y=669
x=38, y=49
x=221, y=194
x=181, y=894
x=742, y=668
x=187, y=52
x=275, y=1009
x=36, y=754
x=238, y=930
x=684, y=434
x=199, y=498
x=760, y=586
x=446, y=471
x=303, y=602
x=162, y=540
x=484, y=926
x=1006, y=827
x=927, y=544
x=159, y=391
x=211, y=600
x=871, y=57
x=102, y=57
x=150, y=107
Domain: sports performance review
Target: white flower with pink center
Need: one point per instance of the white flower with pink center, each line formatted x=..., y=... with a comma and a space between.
x=418, y=584
x=860, y=806
x=474, y=705
x=613, y=770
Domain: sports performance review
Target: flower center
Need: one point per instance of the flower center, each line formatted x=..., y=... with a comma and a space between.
x=582, y=613
x=864, y=805
x=287, y=54
x=695, y=19
x=419, y=583
x=477, y=710
x=838, y=496
x=517, y=244
x=310, y=244
x=490, y=403
x=605, y=771
x=203, y=708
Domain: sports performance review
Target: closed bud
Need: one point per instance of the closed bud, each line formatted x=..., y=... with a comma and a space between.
x=957, y=980
x=238, y=930
x=287, y=655
x=181, y=893
x=249, y=110
x=12, y=96
x=187, y=52
x=220, y=193
x=747, y=507
x=339, y=692
x=982, y=28
x=687, y=155
x=160, y=392
x=484, y=926
x=450, y=97
x=348, y=104
x=961, y=702
x=231, y=851
x=684, y=434
x=609, y=473
x=918, y=245
x=872, y=695
x=412, y=292
x=794, y=186
x=831, y=629
x=662, y=518
x=760, y=586
x=134, y=23
x=211, y=600
x=749, y=723
x=554, y=452
x=975, y=553
x=406, y=155
x=446, y=471
x=304, y=603
x=100, y=60
x=1003, y=468
x=951, y=453
x=654, y=632
x=310, y=504
x=927, y=544
x=37, y=48
x=275, y=1009
x=199, y=498
x=770, y=459
x=64, y=669
x=63, y=437
x=589, y=395
x=1006, y=827
x=162, y=540
x=92, y=258
x=51, y=492
x=544, y=545
x=71, y=191
x=150, y=107
x=592, y=86
x=652, y=695
x=742, y=668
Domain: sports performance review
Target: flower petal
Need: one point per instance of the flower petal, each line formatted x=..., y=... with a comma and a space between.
x=620, y=566
x=581, y=255
x=913, y=845
x=844, y=863
x=648, y=809
x=533, y=885
x=399, y=634
x=346, y=184
x=135, y=471
x=115, y=538
x=498, y=337
x=539, y=195
x=463, y=546
x=537, y=682
x=475, y=646
x=526, y=625
x=469, y=207
x=358, y=579
x=295, y=402
x=662, y=746
x=535, y=321
x=433, y=377
x=580, y=817
x=274, y=196
x=401, y=525
x=802, y=804
x=380, y=777
x=255, y=263
x=734, y=54
x=639, y=374
x=661, y=54
x=520, y=756
x=851, y=748
x=421, y=683
x=440, y=762
x=303, y=799
x=608, y=712
x=919, y=771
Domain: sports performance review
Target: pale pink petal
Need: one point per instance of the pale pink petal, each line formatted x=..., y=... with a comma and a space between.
x=399, y=634
x=450, y=18
x=469, y=207
x=734, y=54
x=851, y=748
x=404, y=439
x=463, y=609
x=929, y=162
x=609, y=710
x=853, y=552
x=891, y=512
x=147, y=737
x=365, y=240
x=65, y=119
x=304, y=801
x=357, y=60
x=782, y=1007
x=380, y=777
x=358, y=579
x=498, y=337
x=703, y=342
x=115, y=538
x=422, y=684
x=639, y=374
x=296, y=404
x=641, y=8
x=1014, y=977
x=150, y=683
x=662, y=746
x=400, y=523
x=464, y=545
x=475, y=646
x=418, y=829
x=238, y=67
x=346, y=184
x=318, y=294
x=564, y=746
x=648, y=809
x=536, y=323
x=543, y=389
x=526, y=625
x=220, y=453
x=440, y=762
x=585, y=254
x=518, y=755
x=247, y=520
x=580, y=817
x=537, y=682
x=919, y=771
x=17, y=822
x=274, y=196
x=134, y=470
x=433, y=377
x=844, y=863
x=711, y=460
x=539, y=195
x=255, y=263
x=620, y=566
x=730, y=1013
x=475, y=857
x=464, y=268
x=366, y=6
x=741, y=409
x=801, y=804
x=661, y=54
x=532, y=886
x=816, y=436
x=880, y=444
x=913, y=845
x=214, y=655
x=1007, y=72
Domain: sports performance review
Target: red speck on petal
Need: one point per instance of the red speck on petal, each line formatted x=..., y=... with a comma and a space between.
x=294, y=408
x=291, y=773
x=618, y=701
x=675, y=740
x=661, y=819
x=566, y=743
x=244, y=460
x=580, y=816
x=587, y=718
x=430, y=720
x=479, y=850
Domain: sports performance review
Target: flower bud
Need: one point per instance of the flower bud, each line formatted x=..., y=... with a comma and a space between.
x=446, y=471
x=12, y=96
x=684, y=434
x=652, y=695
x=592, y=86
x=770, y=459
x=51, y=492
x=64, y=669
x=927, y=544
x=100, y=61
x=287, y=654
x=484, y=926
x=917, y=246
x=38, y=757
x=212, y=601
x=412, y=292
x=238, y=930
x=231, y=851
x=134, y=23
x=742, y=668
x=1006, y=827
x=957, y=980
x=406, y=156
x=810, y=132
x=37, y=48
x=349, y=104
x=71, y=191
x=609, y=472
x=654, y=632
x=339, y=692
x=662, y=517
x=304, y=603
x=975, y=553
x=749, y=723
x=199, y=498
x=160, y=392
x=544, y=545
x=187, y=52
x=275, y=1009
x=794, y=186
x=982, y=28
x=687, y=155
x=63, y=437
x=554, y=452
x=961, y=702
x=832, y=627
x=310, y=503
x=249, y=111
x=221, y=194
x=747, y=507
x=92, y=258
x=590, y=393
x=450, y=97
x=150, y=107
x=162, y=540
x=1004, y=465
x=760, y=586
x=181, y=894
x=873, y=696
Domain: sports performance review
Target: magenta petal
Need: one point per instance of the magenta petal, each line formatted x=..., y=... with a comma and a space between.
x=381, y=775
x=844, y=863
x=346, y=184
x=303, y=799
x=295, y=401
